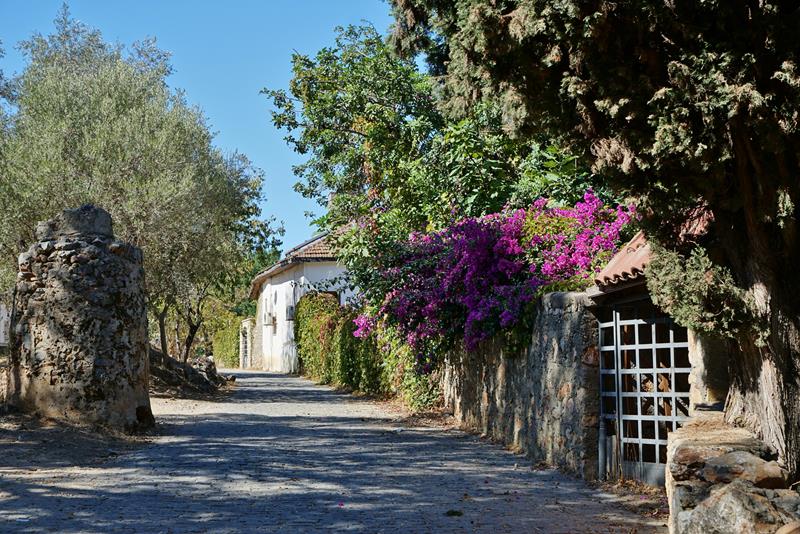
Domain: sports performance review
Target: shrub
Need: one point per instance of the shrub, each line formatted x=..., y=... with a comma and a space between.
x=327, y=349
x=314, y=325
x=701, y=295
x=400, y=375
x=225, y=339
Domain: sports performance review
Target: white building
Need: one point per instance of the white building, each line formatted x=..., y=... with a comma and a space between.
x=267, y=342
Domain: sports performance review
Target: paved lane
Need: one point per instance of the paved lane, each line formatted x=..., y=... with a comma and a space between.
x=281, y=454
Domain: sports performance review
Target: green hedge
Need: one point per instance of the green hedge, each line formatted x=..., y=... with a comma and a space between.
x=382, y=363
x=314, y=324
x=358, y=360
x=327, y=350
x=225, y=340
x=399, y=375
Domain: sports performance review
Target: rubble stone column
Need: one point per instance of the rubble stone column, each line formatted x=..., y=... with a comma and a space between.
x=80, y=347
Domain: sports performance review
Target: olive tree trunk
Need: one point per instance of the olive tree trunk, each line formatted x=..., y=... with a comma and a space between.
x=162, y=332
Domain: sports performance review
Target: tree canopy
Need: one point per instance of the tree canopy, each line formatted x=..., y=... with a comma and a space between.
x=386, y=162
x=97, y=123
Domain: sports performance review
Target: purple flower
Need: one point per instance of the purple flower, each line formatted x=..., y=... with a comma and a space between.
x=476, y=277
x=364, y=326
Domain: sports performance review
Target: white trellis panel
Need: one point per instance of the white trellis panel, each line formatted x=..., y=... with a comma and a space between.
x=5, y=323
x=644, y=371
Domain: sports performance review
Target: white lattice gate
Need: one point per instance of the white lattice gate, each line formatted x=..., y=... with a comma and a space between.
x=644, y=374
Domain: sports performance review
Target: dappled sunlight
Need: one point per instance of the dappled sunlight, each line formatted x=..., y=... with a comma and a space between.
x=282, y=454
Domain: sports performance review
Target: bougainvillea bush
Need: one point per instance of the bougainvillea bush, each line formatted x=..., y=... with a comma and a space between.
x=477, y=277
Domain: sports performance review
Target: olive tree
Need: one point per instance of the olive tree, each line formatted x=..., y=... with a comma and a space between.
x=97, y=123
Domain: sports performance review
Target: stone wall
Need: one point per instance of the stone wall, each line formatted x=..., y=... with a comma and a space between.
x=257, y=339
x=544, y=402
x=80, y=347
x=723, y=480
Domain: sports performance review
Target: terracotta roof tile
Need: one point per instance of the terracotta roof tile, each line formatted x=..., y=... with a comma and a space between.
x=627, y=265
x=318, y=248
x=629, y=262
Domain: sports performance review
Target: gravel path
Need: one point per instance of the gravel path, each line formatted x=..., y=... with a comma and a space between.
x=281, y=454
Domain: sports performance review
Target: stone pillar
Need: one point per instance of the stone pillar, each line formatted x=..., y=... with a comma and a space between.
x=257, y=359
x=246, y=344
x=708, y=380
x=80, y=348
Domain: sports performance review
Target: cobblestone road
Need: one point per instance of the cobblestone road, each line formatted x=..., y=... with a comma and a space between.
x=283, y=455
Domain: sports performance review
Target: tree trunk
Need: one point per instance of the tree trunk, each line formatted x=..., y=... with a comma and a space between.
x=190, y=335
x=177, y=340
x=765, y=386
x=208, y=346
x=764, y=256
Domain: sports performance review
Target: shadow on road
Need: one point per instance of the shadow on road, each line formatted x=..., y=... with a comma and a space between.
x=257, y=469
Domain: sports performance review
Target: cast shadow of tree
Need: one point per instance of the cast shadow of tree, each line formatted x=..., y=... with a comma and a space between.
x=254, y=472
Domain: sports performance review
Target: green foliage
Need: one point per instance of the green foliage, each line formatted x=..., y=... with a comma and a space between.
x=378, y=364
x=97, y=123
x=387, y=162
x=699, y=294
x=327, y=349
x=566, y=68
x=359, y=360
x=358, y=112
x=385, y=152
x=225, y=339
x=314, y=325
x=556, y=174
x=399, y=374
x=234, y=284
x=383, y=156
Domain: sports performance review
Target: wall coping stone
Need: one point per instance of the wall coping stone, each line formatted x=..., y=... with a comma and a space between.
x=88, y=220
x=725, y=477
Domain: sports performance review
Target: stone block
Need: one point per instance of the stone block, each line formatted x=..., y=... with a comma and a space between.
x=721, y=480
x=746, y=466
x=88, y=221
x=740, y=508
x=791, y=528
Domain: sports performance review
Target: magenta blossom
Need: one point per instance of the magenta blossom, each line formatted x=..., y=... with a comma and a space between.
x=477, y=277
x=364, y=326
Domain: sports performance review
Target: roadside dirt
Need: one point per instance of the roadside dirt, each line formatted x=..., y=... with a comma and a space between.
x=28, y=443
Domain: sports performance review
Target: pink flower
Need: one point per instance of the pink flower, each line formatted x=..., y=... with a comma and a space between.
x=476, y=277
x=364, y=326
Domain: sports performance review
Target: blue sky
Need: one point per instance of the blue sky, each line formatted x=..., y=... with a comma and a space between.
x=223, y=53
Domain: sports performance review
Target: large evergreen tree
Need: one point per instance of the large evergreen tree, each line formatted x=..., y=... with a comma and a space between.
x=693, y=107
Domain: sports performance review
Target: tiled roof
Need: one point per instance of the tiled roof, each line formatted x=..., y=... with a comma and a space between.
x=318, y=248
x=627, y=265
